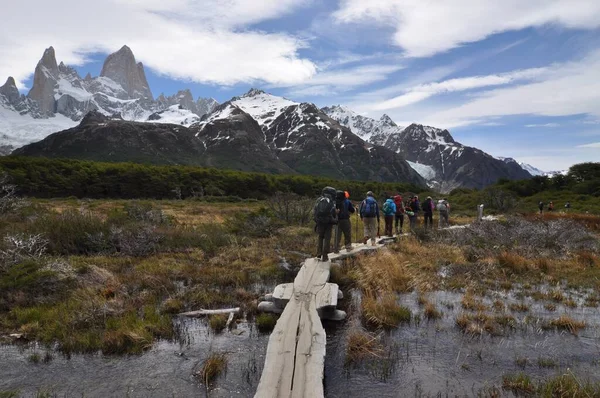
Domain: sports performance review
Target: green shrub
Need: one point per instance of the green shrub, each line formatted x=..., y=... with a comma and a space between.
x=266, y=322
x=217, y=322
x=74, y=232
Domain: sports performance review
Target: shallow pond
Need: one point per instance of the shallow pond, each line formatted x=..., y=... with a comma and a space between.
x=425, y=358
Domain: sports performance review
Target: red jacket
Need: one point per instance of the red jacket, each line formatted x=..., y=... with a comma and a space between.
x=399, y=204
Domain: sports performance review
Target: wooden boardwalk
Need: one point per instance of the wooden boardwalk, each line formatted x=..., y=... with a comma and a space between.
x=296, y=352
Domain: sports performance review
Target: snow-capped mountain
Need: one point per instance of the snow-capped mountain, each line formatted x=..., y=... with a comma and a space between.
x=534, y=171
x=374, y=131
x=308, y=141
x=432, y=152
x=254, y=132
x=59, y=98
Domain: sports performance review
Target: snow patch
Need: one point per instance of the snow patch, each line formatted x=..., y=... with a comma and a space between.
x=18, y=130
x=425, y=171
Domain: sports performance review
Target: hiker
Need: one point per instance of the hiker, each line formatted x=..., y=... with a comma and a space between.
x=550, y=206
x=443, y=208
x=345, y=209
x=414, y=209
x=567, y=206
x=325, y=216
x=541, y=206
x=400, y=210
x=412, y=217
x=369, y=214
x=428, y=212
x=389, y=213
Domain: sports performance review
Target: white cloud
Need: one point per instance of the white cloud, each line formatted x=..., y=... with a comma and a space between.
x=592, y=145
x=330, y=82
x=566, y=89
x=543, y=125
x=421, y=92
x=184, y=39
x=424, y=28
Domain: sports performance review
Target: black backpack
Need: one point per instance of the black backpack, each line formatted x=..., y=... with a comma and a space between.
x=324, y=207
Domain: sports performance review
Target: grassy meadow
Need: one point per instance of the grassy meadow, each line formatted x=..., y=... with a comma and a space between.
x=109, y=275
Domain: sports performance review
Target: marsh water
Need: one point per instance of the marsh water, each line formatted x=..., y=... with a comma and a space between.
x=424, y=358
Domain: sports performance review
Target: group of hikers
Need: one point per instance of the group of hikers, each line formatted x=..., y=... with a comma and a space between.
x=551, y=206
x=333, y=209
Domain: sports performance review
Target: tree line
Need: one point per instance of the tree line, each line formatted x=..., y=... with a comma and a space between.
x=50, y=178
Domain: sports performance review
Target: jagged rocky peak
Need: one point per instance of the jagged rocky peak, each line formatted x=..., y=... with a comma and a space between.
x=44, y=80
x=121, y=67
x=253, y=92
x=10, y=90
x=387, y=120
x=88, y=77
x=49, y=60
x=428, y=133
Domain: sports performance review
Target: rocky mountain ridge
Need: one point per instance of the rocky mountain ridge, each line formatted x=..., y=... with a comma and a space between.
x=445, y=163
x=59, y=98
x=254, y=132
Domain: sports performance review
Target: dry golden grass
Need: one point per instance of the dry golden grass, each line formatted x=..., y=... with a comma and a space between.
x=519, y=307
x=384, y=272
x=431, y=312
x=513, y=262
x=212, y=367
x=362, y=345
x=471, y=303
x=384, y=312
x=565, y=322
x=480, y=322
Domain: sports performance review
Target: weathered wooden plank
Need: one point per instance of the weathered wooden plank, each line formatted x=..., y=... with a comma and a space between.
x=314, y=272
x=282, y=294
x=277, y=375
x=310, y=354
x=211, y=312
x=326, y=297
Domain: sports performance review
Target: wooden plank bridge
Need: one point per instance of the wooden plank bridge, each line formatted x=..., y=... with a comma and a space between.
x=296, y=352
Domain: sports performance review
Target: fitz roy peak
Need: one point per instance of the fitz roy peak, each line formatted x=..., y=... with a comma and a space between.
x=59, y=98
x=443, y=162
x=121, y=68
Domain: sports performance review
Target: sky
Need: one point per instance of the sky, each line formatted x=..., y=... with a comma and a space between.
x=514, y=78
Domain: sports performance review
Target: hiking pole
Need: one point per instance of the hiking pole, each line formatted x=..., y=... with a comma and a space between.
x=335, y=242
x=356, y=228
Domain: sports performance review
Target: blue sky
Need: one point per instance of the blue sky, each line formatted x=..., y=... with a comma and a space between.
x=514, y=78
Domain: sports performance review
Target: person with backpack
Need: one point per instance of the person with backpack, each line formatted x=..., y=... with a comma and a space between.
x=443, y=208
x=344, y=210
x=414, y=209
x=325, y=216
x=369, y=214
x=541, y=206
x=428, y=212
x=550, y=206
x=399, y=219
x=389, y=212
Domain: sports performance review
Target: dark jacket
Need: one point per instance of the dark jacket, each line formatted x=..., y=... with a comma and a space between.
x=346, y=209
x=415, y=206
x=428, y=206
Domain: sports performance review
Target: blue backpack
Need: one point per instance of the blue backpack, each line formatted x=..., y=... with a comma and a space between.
x=370, y=207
